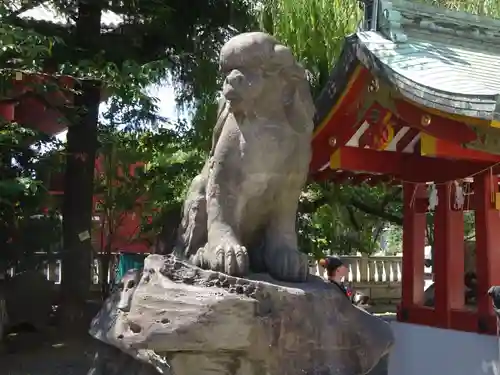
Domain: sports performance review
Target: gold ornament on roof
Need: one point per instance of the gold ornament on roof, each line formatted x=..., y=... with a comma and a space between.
x=374, y=86
x=426, y=120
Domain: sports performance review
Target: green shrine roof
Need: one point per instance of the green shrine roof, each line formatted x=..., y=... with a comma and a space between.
x=439, y=58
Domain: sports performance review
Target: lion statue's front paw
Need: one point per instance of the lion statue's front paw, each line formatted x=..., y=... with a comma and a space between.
x=287, y=264
x=226, y=256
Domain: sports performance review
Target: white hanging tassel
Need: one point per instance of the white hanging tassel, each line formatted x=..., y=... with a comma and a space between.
x=459, y=196
x=433, y=197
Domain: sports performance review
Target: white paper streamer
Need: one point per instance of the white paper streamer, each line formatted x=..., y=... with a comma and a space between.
x=433, y=197
x=459, y=196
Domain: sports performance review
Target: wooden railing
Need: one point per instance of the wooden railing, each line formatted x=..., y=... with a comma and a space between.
x=53, y=272
x=378, y=277
x=362, y=269
x=373, y=269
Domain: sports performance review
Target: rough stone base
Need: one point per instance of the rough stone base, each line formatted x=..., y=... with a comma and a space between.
x=109, y=360
x=181, y=320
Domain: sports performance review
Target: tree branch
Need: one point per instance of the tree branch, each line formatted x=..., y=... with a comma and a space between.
x=25, y=8
x=379, y=231
x=310, y=207
x=389, y=197
x=352, y=218
x=126, y=42
x=376, y=212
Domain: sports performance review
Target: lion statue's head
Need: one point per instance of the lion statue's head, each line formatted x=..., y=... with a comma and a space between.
x=262, y=77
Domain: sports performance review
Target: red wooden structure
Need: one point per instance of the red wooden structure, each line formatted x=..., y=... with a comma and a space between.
x=34, y=113
x=376, y=123
x=127, y=237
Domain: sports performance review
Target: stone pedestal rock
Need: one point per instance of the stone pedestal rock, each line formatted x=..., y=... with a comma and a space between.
x=175, y=318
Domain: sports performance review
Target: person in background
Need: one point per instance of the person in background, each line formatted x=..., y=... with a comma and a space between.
x=336, y=272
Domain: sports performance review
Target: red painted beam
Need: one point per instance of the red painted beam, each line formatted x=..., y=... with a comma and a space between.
x=342, y=122
x=447, y=149
x=407, y=167
x=439, y=127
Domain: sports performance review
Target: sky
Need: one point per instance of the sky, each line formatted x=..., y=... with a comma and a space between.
x=165, y=93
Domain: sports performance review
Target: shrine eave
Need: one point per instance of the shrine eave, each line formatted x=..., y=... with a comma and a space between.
x=427, y=95
x=454, y=78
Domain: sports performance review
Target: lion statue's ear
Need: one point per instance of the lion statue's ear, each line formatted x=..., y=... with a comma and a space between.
x=298, y=102
x=222, y=113
x=282, y=58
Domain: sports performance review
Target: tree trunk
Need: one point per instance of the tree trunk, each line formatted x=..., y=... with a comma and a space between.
x=165, y=240
x=79, y=178
x=106, y=258
x=78, y=206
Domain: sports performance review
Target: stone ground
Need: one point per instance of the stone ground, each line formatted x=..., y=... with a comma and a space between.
x=47, y=357
x=51, y=352
x=71, y=357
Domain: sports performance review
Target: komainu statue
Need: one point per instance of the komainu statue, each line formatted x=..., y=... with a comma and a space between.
x=174, y=318
x=240, y=211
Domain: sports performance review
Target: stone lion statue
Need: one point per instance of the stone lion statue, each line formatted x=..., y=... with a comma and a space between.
x=240, y=211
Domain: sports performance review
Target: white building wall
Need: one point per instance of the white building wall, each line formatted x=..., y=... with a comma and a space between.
x=421, y=350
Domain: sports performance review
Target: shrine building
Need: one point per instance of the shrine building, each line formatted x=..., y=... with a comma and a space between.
x=414, y=100
x=34, y=100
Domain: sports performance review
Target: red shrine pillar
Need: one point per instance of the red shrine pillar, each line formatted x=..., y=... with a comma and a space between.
x=448, y=262
x=487, y=243
x=414, y=224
